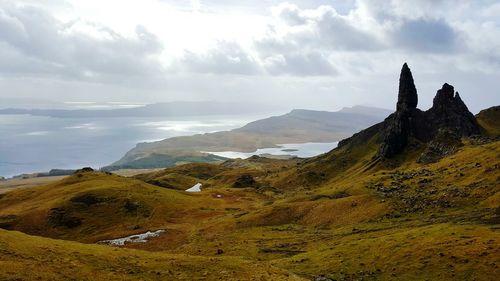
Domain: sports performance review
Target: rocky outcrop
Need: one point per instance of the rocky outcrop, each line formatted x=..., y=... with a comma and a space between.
x=440, y=128
x=445, y=143
x=449, y=111
x=448, y=114
x=245, y=181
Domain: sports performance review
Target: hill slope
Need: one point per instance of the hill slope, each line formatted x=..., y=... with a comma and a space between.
x=488, y=119
x=49, y=259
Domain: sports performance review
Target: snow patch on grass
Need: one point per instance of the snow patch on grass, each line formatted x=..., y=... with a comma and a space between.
x=195, y=188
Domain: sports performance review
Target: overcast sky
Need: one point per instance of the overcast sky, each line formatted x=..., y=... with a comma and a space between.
x=302, y=54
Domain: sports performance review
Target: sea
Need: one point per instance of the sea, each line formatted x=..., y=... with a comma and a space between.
x=31, y=144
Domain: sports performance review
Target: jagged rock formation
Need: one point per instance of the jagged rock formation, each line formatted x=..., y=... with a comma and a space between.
x=448, y=113
x=449, y=116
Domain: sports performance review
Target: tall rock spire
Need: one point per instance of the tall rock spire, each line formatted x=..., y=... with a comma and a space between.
x=407, y=96
x=399, y=126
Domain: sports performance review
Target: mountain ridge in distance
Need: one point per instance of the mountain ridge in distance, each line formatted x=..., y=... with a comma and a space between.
x=296, y=126
x=164, y=109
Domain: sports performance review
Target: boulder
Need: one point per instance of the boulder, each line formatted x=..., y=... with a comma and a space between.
x=245, y=181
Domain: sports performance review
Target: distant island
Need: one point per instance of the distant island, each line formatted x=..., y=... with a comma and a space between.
x=167, y=109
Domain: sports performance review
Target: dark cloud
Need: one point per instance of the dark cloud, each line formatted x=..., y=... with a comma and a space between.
x=33, y=41
x=426, y=36
x=338, y=32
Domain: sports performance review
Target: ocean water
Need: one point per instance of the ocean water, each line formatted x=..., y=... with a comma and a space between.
x=36, y=144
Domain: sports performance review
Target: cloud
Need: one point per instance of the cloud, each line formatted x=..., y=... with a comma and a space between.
x=402, y=9
x=426, y=36
x=347, y=52
x=320, y=28
x=301, y=42
x=33, y=41
x=370, y=27
x=289, y=13
x=225, y=58
x=309, y=64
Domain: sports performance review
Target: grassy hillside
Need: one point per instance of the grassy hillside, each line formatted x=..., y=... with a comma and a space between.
x=395, y=219
x=488, y=119
x=49, y=259
x=95, y=206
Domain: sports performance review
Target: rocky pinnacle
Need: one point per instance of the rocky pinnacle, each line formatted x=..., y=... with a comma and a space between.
x=407, y=97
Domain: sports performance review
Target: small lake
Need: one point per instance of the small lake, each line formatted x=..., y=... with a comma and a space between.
x=302, y=150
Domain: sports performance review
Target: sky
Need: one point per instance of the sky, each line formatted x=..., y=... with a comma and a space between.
x=323, y=54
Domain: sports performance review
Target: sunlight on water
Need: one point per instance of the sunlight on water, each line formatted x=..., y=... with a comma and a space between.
x=35, y=143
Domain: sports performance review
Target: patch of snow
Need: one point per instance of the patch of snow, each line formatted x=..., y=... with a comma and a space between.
x=195, y=188
x=137, y=238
